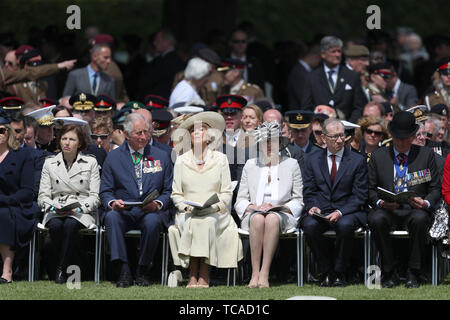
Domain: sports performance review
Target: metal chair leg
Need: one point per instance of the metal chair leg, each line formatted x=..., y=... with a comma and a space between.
x=300, y=258
x=31, y=257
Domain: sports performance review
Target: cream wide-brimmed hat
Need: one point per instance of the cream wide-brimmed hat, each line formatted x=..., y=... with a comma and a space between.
x=212, y=119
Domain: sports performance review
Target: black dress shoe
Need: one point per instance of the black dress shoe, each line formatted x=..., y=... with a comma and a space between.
x=4, y=281
x=339, y=281
x=327, y=281
x=389, y=280
x=411, y=281
x=125, y=281
x=60, y=276
x=142, y=281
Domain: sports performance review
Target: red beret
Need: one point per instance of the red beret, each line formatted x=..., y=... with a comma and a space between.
x=102, y=38
x=20, y=51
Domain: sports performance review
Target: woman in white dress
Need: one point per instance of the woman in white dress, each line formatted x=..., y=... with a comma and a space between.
x=269, y=200
x=209, y=236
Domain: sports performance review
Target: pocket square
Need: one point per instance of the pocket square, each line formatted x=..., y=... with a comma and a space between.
x=348, y=87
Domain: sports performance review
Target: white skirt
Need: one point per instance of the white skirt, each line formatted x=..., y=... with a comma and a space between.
x=287, y=221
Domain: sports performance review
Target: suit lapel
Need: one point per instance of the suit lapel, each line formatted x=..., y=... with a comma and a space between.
x=324, y=79
x=87, y=81
x=127, y=162
x=323, y=164
x=147, y=154
x=61, y=170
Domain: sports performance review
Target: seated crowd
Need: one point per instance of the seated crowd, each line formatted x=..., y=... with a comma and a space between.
x=206, y=172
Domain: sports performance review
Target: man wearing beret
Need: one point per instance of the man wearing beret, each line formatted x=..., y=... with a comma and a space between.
x=398, y=168
x=13, y=80
x=334, y=85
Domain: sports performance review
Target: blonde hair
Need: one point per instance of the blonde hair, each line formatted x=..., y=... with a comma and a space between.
x=12, y=142
x=258, y=112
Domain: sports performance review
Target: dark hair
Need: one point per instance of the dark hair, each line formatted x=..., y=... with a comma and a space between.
x=60, y=108
x=78, y=131
x=29, y=121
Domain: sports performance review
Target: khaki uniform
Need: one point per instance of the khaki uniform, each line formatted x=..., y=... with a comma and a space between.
x=114, y=72
x=11, y=81
x=434, y=98
x=249, y=91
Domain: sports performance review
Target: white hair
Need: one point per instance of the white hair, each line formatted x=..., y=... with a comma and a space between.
x=196, y=69
x=130, y=119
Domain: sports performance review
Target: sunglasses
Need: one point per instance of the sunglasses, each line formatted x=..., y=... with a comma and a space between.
x=318, y=132
x=18, y=130
x=3, y=130
x=377, y=133
x=239, y=41
x=445, y=72
x=101, y=136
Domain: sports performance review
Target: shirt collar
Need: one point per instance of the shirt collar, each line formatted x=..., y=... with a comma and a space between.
x=91, y=71
x=336, y=69
x=236, y=88
x=243, y=58
x=141, y=151
x=338, y=154
x=397, y=152
x=397, y=85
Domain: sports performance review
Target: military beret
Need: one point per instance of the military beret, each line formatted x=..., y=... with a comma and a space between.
x=133, y=105
x=440, y=109
x=356, y=51
x=102, y=38
x=104, y=103
x=264, y=104
x=299, y=119
x=387, y=107
x=21, y=50
x=82, y=101
x=230, y=102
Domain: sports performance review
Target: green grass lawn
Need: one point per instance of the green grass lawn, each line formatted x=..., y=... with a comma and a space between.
x=47, y=290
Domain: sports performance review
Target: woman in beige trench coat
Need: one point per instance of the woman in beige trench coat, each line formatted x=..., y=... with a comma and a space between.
x=69, y=178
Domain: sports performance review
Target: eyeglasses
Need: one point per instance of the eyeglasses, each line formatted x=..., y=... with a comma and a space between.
x=237, y=41
x=336, y=136
x=101, y=136
x=18, y=130
x=8, y=63
x=3, y=130
x=318, y=132
x=377, y=133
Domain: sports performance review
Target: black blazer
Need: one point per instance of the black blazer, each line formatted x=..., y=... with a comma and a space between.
x=296, y=84
x=348, y=95
x=381, y=173
x=349, y=192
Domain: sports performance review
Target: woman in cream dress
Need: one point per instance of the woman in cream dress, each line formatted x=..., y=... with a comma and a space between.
x=203, y=237
x=268, y=182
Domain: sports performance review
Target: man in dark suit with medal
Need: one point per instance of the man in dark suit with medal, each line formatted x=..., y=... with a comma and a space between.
x=131, y=173
x=398, y=168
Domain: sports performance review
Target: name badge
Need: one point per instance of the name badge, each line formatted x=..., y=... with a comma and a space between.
x=418, y=177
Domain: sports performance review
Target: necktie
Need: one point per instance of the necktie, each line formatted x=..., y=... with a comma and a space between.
x=401, y=157
x=137, y=157
x=94, y=83
x=330, y=78
x=333, y=168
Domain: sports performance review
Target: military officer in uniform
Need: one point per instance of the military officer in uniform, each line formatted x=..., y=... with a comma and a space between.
x=152, y=101
x=105, y=106
x=300, y=123
x=234, y=82
x=45, y=136
x=11, y=105
x=440, y=93
x=83, y=104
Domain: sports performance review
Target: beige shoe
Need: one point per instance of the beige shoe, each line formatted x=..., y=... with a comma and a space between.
x=174, y=279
